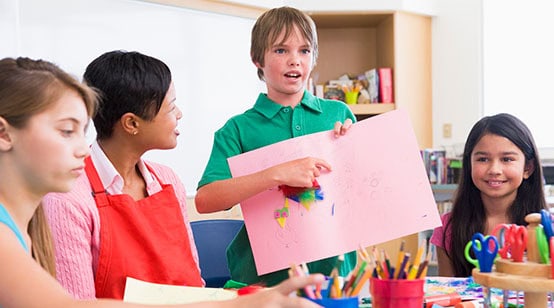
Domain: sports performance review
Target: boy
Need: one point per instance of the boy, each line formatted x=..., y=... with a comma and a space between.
x=284, y=49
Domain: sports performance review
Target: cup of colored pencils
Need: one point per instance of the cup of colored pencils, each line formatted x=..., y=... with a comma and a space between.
x=400, y=285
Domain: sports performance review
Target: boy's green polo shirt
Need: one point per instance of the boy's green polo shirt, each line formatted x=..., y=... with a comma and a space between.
x=264, y=124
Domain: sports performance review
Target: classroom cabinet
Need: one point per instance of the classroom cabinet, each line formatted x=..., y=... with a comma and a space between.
x=352, y=43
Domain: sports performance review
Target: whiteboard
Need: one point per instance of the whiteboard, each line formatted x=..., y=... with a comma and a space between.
x=207, y=53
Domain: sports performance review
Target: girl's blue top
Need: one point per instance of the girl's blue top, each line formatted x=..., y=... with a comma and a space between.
x=6, y=219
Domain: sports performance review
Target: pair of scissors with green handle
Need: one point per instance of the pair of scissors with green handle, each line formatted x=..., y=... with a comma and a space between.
x=512, y=240
x=485, y=249
x=542, y=244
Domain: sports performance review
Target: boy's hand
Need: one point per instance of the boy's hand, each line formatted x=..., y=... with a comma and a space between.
x=340, y=129
x=299, y=172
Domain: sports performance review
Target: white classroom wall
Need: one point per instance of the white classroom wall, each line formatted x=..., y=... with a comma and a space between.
x=489, y=57
x=457, y=70
x=518, y=65
x=207, y=53
x=9, y=27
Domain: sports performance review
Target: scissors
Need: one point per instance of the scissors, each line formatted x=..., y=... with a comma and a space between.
x=546, y=222
x=542, y=244
x=513, y=239
x=485, y=249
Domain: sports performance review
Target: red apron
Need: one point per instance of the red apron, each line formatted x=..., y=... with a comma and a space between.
x=145, y=239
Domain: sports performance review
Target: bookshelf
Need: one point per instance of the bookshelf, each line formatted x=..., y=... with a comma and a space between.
x=361, y=110
x=354, y=42
x=444, y=194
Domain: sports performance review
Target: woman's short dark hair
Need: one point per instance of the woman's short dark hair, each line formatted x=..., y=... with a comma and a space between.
x=127, y=82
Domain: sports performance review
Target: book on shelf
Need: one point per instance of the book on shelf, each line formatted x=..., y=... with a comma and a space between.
x=441, y=169
x=372, y=85
x=425, y=237
x=333, y=91
x=377, y=86
x=434, y=160
x=385, y=84
x=444, y=207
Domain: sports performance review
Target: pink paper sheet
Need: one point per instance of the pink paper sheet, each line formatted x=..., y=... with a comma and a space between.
x=377, y=191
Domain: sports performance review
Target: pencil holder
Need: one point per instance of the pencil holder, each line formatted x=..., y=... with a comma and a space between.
x=351, y=97
x=343, y=302
x=388, y=293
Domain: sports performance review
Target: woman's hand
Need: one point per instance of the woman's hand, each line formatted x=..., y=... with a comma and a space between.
x=279, y=296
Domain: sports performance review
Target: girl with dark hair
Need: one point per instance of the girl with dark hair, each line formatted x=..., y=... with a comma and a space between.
x=501, y=182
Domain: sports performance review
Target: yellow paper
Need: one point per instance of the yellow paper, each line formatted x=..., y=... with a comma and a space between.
x=142, y=292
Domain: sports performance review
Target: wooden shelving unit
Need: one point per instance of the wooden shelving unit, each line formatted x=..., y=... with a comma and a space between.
x=444, y=192
x=371, y=109
x=354, y=42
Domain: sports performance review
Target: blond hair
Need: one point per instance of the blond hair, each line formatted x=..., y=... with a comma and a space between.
x=272, y=23
x=28, y=87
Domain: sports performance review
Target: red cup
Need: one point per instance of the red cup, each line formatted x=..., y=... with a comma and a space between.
x=388, y=293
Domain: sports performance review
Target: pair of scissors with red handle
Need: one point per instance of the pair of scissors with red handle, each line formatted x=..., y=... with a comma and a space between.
x=513, y=241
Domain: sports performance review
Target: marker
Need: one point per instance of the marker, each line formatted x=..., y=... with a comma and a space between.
x=450, y=299
x=469, y=304
x=249, y=289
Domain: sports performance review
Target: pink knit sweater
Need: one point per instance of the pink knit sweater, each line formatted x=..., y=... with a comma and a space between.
x=75, y=224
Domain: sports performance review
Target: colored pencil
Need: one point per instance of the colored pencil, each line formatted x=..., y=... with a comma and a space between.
x=415, y=266
x=400, y=259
